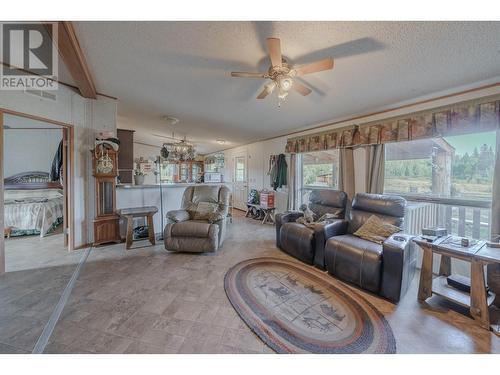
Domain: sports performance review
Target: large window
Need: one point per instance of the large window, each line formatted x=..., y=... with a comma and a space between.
x=447, y=181
x=239, y=169
x=458, y=166
x=318, y=170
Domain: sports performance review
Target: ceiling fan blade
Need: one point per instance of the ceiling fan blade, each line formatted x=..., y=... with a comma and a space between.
x=263, y=94
x=274, y=48
x=248, y=75
x=269, y=88
x=314, y=67
x=301, y=89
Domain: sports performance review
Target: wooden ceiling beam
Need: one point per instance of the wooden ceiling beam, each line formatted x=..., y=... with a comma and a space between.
x=74, y=59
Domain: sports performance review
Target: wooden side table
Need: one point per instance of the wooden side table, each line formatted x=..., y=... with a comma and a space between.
x=130, y=213
x=268, y=212
x=478, y=300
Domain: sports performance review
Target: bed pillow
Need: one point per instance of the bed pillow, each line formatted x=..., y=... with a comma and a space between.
x=35, y=193
x=376, y=230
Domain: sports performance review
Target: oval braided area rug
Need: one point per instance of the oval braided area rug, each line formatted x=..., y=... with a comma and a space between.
x=295, y=308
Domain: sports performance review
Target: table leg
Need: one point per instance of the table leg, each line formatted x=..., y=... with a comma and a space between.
x=445, y=266
x=151, y=230
x=130, y=232
x=273, y=220
x=265, y=216
x=478, y=296
x=425, y=286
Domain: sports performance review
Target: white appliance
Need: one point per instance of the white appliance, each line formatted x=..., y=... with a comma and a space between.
x=213, y=177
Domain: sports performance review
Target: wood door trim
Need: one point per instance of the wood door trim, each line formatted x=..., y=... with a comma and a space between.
x=69, y=183
x=35, y=117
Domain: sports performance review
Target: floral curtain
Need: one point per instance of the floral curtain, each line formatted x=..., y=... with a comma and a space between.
x=462, y=118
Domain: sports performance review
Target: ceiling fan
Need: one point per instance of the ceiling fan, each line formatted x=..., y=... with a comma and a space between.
x=282, y=74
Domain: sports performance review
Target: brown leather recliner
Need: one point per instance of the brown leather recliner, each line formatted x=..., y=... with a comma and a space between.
x=185, y=233
x=308, y=244
x=385, y=269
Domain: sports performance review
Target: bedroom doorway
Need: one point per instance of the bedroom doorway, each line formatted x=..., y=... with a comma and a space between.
x=36, y=177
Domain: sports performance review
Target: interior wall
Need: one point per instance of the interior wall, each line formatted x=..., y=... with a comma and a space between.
x=28, y=150
x=88, y=117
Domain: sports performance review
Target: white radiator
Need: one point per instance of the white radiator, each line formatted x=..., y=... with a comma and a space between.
x=281, y=198
x=420, y=215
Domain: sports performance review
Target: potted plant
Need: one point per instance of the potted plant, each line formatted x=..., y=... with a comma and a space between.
x=139, y=177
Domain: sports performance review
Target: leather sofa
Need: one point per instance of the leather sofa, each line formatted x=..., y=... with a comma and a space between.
x=386, y=269
x=184, y=233
x=308, y=244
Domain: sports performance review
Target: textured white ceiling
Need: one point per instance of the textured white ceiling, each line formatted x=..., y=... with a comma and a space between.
x=182, y=69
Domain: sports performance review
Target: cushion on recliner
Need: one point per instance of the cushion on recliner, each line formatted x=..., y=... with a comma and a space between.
x=205, y=193
x=391, y=209
x=191, y=229
x=389, y=205
x=358, y=218
x=178, y=215
x=204, y=209
x=376, y=230
x=354, y=260
x=298, y=241
x=320, y=210
x=322, y=201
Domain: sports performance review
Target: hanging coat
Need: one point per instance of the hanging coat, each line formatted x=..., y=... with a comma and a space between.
x=273, y=170
x=55, y=170
x=281, y=169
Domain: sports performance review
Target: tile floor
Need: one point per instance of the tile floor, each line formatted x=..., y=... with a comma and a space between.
x=146, y=300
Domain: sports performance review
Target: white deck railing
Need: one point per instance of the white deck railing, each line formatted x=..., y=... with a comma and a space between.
x=461, y=217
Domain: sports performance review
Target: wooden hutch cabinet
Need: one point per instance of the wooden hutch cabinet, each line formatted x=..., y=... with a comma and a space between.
x=181, y=171
x=105, y=171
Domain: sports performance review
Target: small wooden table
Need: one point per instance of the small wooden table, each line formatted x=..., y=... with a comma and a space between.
x=130, y=213
x=268, y=212
x=478, y=255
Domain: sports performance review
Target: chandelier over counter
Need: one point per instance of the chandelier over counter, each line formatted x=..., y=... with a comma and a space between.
x=178, y=151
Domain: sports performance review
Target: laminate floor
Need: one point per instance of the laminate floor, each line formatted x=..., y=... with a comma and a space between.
x=147, y=300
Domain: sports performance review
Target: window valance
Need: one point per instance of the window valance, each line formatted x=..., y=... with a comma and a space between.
x=461, y=118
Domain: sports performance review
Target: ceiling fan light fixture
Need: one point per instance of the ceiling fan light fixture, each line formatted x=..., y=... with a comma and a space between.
x=281, y=73
x=285, y=83
x=282, y=94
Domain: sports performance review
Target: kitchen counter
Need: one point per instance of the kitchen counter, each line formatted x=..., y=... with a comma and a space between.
x=128, y=196
x=166, y=185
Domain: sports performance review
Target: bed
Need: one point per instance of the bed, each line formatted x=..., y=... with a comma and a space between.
x=33, y=205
